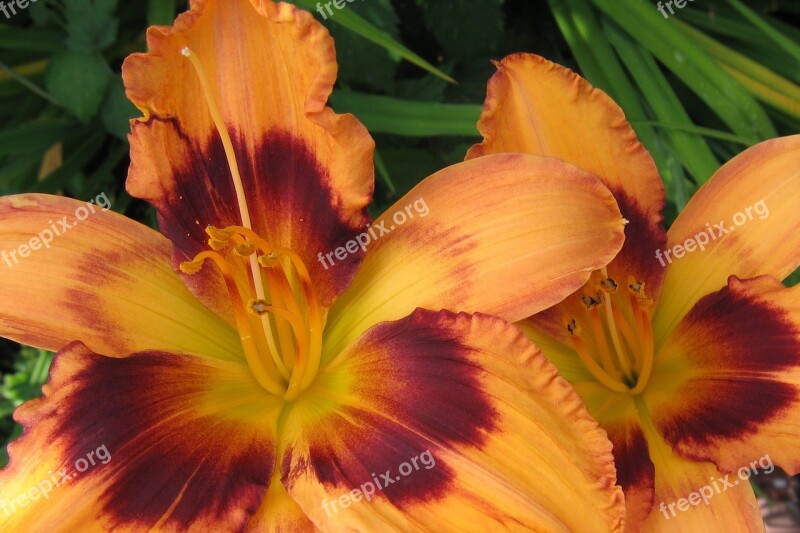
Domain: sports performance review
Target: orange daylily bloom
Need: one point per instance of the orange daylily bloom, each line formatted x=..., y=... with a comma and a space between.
x=233, y=374
x=686, y=348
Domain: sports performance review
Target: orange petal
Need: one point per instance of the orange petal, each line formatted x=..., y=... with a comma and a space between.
x=617, y=414
x=659, y=484
x=105, y=280
x=444, y=422
x=538, y=107
x=748, y=215
x=726, y=386
x=153, y=441
x=507, y=234
x=306, y=172
x=692, y=496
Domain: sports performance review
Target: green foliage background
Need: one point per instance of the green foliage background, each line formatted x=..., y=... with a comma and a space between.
x=699, y=87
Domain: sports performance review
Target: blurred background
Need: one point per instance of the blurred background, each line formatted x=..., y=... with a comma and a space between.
x=699, y=86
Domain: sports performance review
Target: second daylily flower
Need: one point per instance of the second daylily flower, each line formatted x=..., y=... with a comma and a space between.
x=260, y=388
x=693, y=369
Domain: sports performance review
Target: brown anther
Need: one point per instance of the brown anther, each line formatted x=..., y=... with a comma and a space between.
x=257, y=307
x=609, y=285
x=573, y=327
x=637, y=287
x=590, y=302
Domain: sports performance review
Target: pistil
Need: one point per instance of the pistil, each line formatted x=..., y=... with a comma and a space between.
x=287, y=307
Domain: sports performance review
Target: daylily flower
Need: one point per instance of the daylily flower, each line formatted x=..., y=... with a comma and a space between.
x=221, y=377
x=692, y=367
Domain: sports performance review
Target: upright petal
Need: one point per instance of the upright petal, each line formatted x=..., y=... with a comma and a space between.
x=154, y=441
x=306, y=172
x=508, y=234
x=748, y=217
x=443, y=422
x=95, y=276
x=538, y=107
x=726, y=387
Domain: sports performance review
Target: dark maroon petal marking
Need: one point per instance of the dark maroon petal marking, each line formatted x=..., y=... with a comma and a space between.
x=729, y=330
x=140, y=408
x=424, y=392
x=642, y=239
x=292, y=203
x=635, y=470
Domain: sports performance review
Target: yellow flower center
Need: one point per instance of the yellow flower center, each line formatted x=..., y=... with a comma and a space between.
x=277, y=314
x=613, y=333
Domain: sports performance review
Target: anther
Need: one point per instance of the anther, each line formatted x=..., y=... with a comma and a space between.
x=217, y=245
x=609, y=285
x=244, y=249
x=573, y=327
x=591, y=302
x=268, y=260
x=219, y=234
x=191, y=267
x=258, y=307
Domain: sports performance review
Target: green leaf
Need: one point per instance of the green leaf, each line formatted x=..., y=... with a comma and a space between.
x=762, y=82
x=86, y=150
x=428, y=87
x=117, y=110
x=29, y=40
x=718, y=89
x=16, y=432
x=382, y=114
x=91, y=24
x=34, y=136
x=355, y=23
x=465, y=28
x=771, y=33
x=362, y=63
x=160, y=12
x=691, y=149
x=600, y=65
x=410, y=166
x=78, y=82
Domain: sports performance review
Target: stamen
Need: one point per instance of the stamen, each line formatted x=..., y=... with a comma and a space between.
x=225, y=137
x=591, y=364
x=648, y=349
x=238, y=185
x=622, y=354
x=602, y=345
x=248, y=243
x=640, y=304
x=261, y=372
x=609, y=285
x=244, y=250
x=260, y=307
